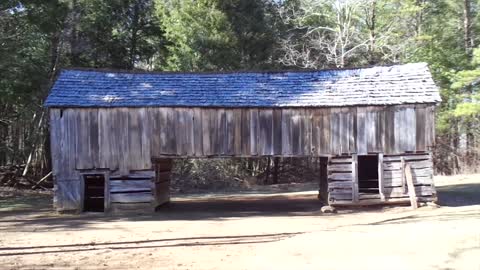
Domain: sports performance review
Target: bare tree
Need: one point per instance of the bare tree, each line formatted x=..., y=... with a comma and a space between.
x=329, y=33
x=341, y=33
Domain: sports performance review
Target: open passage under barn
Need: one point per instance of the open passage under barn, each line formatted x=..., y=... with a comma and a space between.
x=114, y=134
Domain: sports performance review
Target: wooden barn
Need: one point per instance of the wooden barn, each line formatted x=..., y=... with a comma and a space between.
x=114, y=134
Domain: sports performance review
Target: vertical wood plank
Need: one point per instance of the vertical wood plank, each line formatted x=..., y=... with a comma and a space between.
x=55, y=142
x=253, y=132
x=421, y=125
x=295, y=132
x=380, y=176
x=411, y=187
x=410, y=129
x=246, y=132
x=381, y=130
x=197, y=132
x=237, y=125
x=135, y=160
x=307, y=131
x=229, y=132
x=207, y=132
x=370, y=130
x=146, y=133
x=399, y=130
x=221, y=133
x=432, y=124
x=430, y=127
x=94, y=140
x=316, y=131
x=352, y=130
x=180, y=132
x=106, y=200
x=277, y=131
x=71, y=117
x=153, y=116
x=170, y=128
x=265, y=138
x=335, y=147
x=326, y=135
x=343, y=131
x=164, y=130
x=402, y=160
x=123, y=139
x=361, y=131
x=189, y=130
x=83, y=157
x=355, y=177
x=110, y=137
x=286, y=136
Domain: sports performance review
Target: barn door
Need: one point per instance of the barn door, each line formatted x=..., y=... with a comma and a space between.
x=163, y=171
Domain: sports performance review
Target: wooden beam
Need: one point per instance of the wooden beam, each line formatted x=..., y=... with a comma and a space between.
x=411, y=187
x=391, y=201
x=402, y=160
x=355, y=178
x=380, y=177
x=106, y=197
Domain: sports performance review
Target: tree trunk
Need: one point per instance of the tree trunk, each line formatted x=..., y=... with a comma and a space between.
x=134, y=36
x=75, y=49
x=419, y=17
x=468, y=37
x=469, y=43
x=276, y=164
x=371, y=24
x=267, y=172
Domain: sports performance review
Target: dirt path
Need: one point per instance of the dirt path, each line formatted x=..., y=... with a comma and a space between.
x=284, y=231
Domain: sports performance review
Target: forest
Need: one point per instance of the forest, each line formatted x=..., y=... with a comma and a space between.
x=39, y=38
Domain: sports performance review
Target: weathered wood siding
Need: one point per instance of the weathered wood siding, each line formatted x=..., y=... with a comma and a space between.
x=394, y=181
x=341, y=182
x=161, y=184
x=125, y=139
x=343, y=187
x=132, y=192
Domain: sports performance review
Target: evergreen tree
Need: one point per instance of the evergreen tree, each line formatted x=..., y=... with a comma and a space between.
x=199, y=36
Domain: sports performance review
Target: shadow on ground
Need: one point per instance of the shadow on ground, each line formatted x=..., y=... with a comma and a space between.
x=459, y=195
x=145, y=244
x=17, y=214
x=44, y=219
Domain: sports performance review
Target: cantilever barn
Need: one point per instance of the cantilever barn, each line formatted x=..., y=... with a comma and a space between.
x=114, y=134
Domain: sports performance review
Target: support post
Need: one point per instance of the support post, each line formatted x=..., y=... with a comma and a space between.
x=404, y=188
x=323, y=183
x=380, y=176
x=411, y=188
x=355, y=178
x=161, y=183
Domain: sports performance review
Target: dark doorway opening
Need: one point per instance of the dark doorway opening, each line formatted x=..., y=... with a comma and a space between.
x=94, y=193
x=368, y=174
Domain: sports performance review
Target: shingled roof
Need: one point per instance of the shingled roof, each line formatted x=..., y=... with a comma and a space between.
x=400, y=84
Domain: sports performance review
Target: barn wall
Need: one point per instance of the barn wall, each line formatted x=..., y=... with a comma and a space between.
x=343, y=186
x=124, y=140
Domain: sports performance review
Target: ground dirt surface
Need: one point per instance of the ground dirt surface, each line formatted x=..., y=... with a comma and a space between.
x=250, y=231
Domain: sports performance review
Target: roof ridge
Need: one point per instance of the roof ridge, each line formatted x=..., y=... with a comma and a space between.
x=139, y=71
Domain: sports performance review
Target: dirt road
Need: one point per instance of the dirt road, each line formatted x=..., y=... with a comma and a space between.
x=285, y=231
